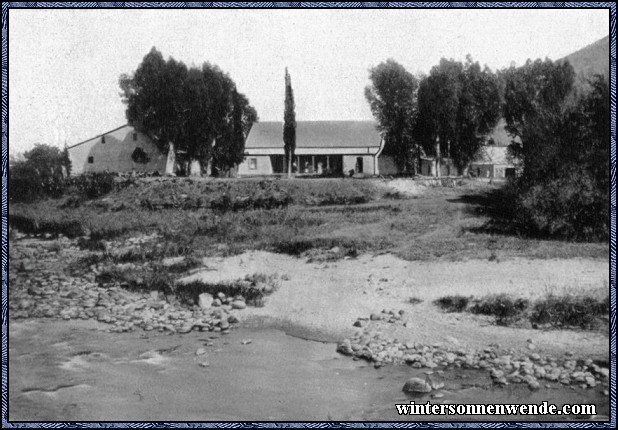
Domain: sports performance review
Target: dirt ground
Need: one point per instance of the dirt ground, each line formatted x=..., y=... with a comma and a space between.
x=322, y=301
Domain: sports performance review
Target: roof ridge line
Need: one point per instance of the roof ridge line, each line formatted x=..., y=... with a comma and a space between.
x=98, y=135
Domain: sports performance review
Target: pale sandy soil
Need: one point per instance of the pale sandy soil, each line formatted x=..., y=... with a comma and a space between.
x=322, y=301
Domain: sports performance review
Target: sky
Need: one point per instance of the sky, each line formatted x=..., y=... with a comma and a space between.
x=64, y=64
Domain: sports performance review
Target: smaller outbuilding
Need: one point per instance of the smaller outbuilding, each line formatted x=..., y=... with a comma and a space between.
x=120, y=150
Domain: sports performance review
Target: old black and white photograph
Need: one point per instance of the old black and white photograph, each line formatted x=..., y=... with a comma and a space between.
x=228, y=215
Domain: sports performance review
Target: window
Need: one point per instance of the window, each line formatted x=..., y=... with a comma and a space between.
x=102, y=139
x=90, y=159
x=252, y=163
x=135, y=137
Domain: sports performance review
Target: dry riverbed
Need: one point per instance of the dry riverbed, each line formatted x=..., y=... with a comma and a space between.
x=67, y=358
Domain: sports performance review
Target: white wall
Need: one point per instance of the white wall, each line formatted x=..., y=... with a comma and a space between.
x=114, y=155
x=349, y=163
x=263, y=166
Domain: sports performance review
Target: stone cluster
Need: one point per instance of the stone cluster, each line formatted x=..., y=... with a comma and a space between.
x=503, y=366
x=42, y=285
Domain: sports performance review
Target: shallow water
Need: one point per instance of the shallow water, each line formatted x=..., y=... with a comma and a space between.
x=75, y=371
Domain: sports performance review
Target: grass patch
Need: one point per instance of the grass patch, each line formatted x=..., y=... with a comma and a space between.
x=253, y=288
x=138, y=279
x=566, y=311
x=184, y=265
x=444, y=223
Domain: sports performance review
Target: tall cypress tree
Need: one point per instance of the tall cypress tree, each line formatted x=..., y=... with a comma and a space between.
x=289, y=123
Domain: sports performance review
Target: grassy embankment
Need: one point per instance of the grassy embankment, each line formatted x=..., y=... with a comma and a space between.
x=223, y=217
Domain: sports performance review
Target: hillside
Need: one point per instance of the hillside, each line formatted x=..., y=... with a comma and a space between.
x=592, y=59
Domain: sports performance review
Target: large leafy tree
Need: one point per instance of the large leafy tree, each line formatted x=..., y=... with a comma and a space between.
x=535, y=103
x=153, y=95
x=392, y=99
x=39, y=172
x=48, y=161
x=459, y=104
x=289, y=122
x=230, y=146
x=563, y=139
x=189, y=107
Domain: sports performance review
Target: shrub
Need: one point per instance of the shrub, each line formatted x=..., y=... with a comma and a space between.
x=452, y=303
x=94, y=185
x=39, y=174
x=569, y=311
x=570, y=207
x=33, y=225
x=26, y=184
x=502, y=306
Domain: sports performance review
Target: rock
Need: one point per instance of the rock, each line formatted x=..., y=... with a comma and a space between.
x=416, y=386
x=204, y=364
x=200, y=351
x=437, y=385
x=232, y=319
x=375, y=317
x=245, y=341
x=185, y=329
x=591, y=382
x=359, y=323
x=533, y=384
x=495, y=374
x=204, y=301
x=345, y=347
x=216, y=302
x=221, y=296
x=578, y=376
x=238, y=304
x=430, y=364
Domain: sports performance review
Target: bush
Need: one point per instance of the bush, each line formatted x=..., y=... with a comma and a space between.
x=33, y=225
x=569, y=311
x=27, y=185
x=452, y=303
x=502, y=306
x=94, y=185
x=571, y=207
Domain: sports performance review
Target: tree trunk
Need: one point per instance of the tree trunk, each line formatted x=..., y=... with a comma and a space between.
x=170, y=165
x=195, y=168
x=289, y=165
x=438, y=158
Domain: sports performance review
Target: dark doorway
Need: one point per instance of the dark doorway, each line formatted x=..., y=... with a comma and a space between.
x=277, y=161
x=359, y=164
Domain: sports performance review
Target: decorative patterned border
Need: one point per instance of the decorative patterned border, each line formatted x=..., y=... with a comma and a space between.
x=5, y=8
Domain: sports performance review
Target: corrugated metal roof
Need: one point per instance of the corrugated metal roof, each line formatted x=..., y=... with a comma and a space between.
x=316, y=134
